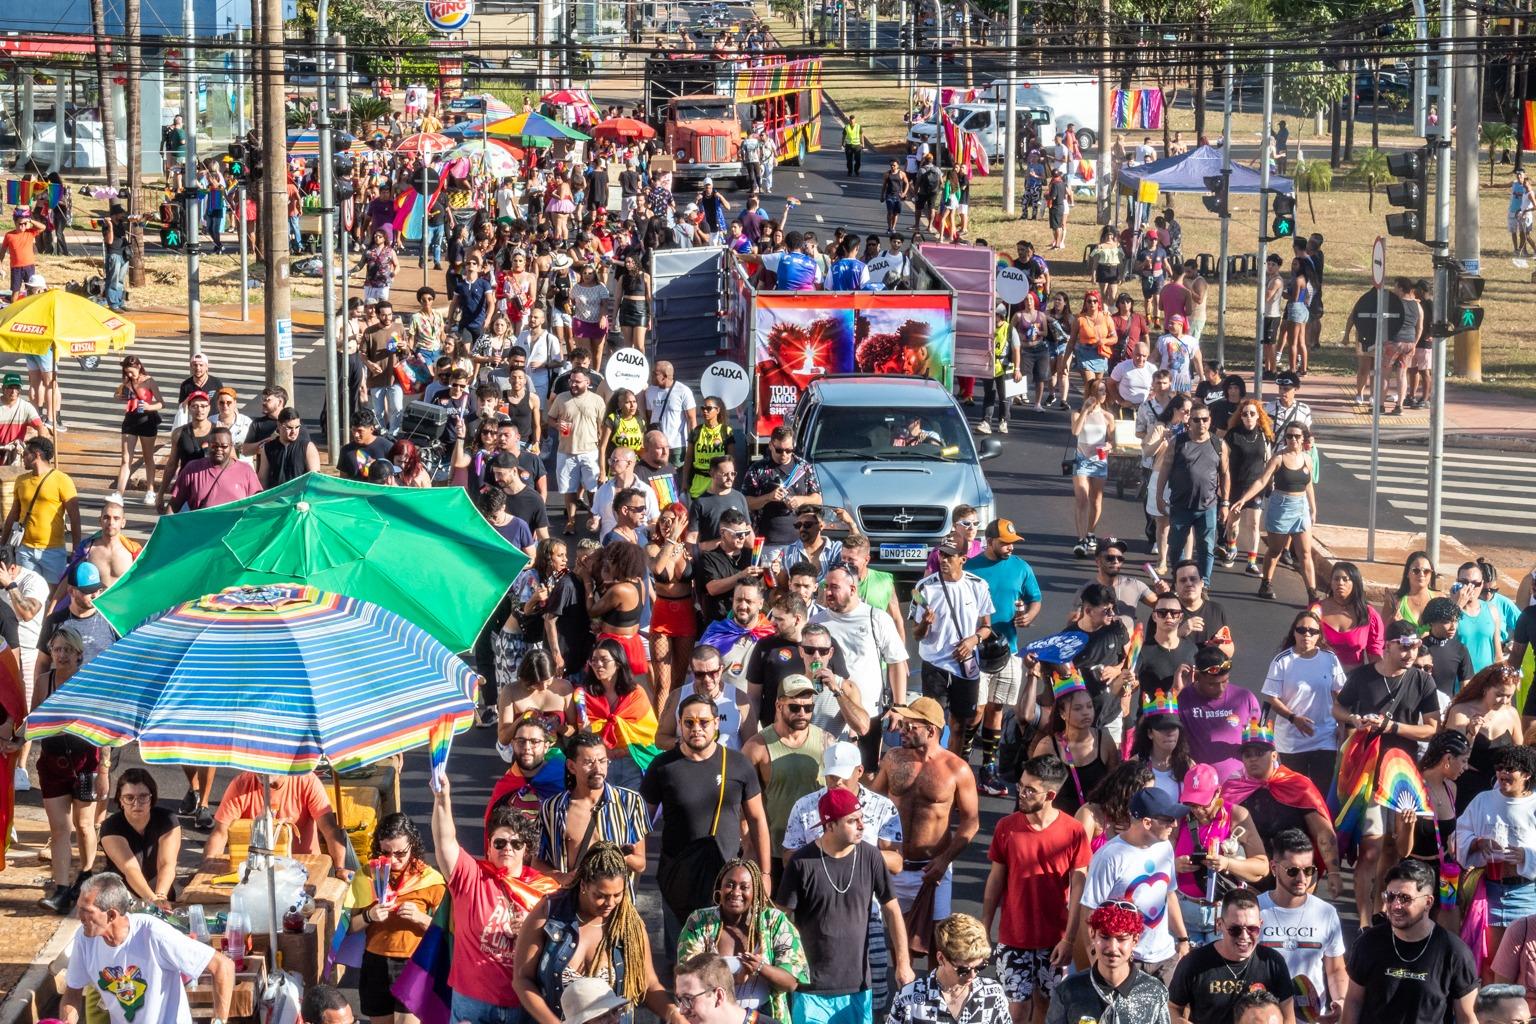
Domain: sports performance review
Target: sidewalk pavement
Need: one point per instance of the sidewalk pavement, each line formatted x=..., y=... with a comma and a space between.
x=30, y=937
x=1474, y=417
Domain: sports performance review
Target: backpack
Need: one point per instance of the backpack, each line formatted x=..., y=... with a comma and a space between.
x=930, y=180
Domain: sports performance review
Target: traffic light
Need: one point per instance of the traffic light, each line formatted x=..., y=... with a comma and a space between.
x=343, y=164
x=1464, y=311
x=1284, y=224
x=1410, y=192
x=1217, y=201
x=234, y=160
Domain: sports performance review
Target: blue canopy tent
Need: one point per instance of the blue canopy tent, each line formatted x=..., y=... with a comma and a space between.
x=1187, y=173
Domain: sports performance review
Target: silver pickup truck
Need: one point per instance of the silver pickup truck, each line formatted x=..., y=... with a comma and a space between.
x=897, y=453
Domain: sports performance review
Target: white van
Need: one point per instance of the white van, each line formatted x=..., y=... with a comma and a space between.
x=1073, y=100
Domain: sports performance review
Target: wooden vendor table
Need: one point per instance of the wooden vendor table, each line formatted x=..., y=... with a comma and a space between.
x=244, y=1004
x=302, y=952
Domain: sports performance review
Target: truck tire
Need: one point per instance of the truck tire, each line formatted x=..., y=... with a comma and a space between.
x=1086, y=137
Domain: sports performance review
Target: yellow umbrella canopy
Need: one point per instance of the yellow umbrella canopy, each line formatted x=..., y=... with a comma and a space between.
x=78, y=326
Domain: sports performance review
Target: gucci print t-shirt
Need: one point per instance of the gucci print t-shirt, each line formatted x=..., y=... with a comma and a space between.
x=1303, y=936
x=143, y=980
x=1142, y=875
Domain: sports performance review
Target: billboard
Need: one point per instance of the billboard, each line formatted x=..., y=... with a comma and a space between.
x=799, y=336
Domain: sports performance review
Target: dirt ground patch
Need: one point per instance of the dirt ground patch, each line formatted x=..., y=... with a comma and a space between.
x=25, y=927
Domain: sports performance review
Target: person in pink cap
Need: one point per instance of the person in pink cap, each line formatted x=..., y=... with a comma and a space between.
x=1216, y=849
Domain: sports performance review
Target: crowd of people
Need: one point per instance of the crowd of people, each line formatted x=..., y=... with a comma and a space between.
x=700, y=663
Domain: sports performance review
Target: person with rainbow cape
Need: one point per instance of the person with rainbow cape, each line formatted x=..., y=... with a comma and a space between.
x=537, y=771
x=609, y=702
x=13, y=711
x=1276, y=798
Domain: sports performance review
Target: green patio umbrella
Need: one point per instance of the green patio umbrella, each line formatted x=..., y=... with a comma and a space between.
x=425, y=554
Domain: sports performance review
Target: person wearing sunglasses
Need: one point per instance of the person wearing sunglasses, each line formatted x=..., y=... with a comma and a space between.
x=1216, y=847
x=777, y=486
x=213, y=479
x=1130, y=590
x=955, y=988
x=1210, y=980
x=952, y=615
x=1393, y=700
x=1214, y=711
x=965, y=524
x=813, y=545
x=491, y=896
x=787, y=754
x=1278, y=798
x=1298, y=692
x=1195, y=467
x=1303, y=928
x=1482, y=629
x=1289, y=511
x=1410, y=968
x=394, y=924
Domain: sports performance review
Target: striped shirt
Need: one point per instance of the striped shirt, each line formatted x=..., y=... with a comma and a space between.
x=619, y=817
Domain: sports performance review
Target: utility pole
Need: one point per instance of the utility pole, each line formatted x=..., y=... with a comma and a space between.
x=903, y=25
x=938, y=86
x=874, y=36
x=1226, y=221
x=1420, y=66
x=190, y=198
x=1106, y=184
x=1469, y=111
x=327, y=170
x=1009, y=134
x=277, y=295
x=1442, y=300
x=1263, y=268
x=243, y=80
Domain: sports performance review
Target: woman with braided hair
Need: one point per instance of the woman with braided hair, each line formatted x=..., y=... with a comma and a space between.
x=745, y=925
x=589, y=929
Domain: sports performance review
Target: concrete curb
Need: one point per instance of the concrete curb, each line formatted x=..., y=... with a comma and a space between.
x=19, y=1003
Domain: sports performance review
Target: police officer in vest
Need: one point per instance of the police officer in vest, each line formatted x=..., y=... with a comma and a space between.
x=1195, y=466
x=853, y=143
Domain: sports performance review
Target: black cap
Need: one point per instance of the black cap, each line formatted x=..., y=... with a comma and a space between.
x=1113, y=542
x=1287, y=380
x=503, y=460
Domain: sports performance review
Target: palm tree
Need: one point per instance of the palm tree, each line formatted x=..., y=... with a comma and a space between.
x=135, y=146
x=1314, y=176
x=104, y=87
x=1371, y=168
x=1496, y=135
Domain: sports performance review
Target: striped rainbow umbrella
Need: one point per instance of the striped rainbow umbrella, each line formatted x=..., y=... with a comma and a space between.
x=265, y=679
x=425, y=142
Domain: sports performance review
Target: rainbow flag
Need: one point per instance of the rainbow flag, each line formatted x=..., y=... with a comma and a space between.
x=422, y=987
x=440, y=741
x=1133, y=651
x=1354, y=786
x=757, y=550
x=665, y=489
x=1528, y=126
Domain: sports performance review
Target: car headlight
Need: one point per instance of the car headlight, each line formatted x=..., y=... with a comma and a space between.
x=682, y=154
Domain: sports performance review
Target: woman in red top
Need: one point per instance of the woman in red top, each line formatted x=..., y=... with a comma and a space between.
x=1094, y=333
x=1130, y=328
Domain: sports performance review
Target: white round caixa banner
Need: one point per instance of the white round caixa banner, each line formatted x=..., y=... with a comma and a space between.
x=627, y=368
x=726, y=381
x=1012, y=285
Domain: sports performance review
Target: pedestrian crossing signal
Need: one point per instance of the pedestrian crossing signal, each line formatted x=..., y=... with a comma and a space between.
x=1284, y=224
x=1469, y=318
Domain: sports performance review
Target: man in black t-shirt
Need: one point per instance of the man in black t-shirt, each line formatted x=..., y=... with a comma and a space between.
x=1410, y=970
x=264, y=427
x=365, y=447
x=716, y=573
x=1209, y=981
x=776, y=658
x=1392, y=699
x=1443, y=655
x=715, y=502
x=1204, y=619
x=828, y=886
x=522, y=501
x=705, y=791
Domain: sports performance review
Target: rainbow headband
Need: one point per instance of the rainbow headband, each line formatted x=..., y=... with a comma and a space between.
x=1258, y=733
x=1067, y=685
x=1159, y=704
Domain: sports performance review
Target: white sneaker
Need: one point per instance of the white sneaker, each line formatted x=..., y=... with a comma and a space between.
x=983, y=427
x=1002, y=428
x=149, y=498
x=19, y=780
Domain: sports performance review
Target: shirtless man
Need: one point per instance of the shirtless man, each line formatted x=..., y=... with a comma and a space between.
x=930, y=786
x=107, y=549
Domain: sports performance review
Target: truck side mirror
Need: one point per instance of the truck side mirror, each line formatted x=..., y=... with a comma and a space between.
x=988, y=448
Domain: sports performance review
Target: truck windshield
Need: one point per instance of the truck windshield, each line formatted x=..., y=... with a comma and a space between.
x=855, y=432
x=687, y=111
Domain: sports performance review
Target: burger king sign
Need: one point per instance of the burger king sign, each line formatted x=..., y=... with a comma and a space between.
x=449, y=15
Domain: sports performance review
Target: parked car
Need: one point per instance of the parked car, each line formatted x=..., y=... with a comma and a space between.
x=900, y=494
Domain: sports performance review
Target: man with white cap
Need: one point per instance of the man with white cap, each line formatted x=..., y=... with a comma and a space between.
x=843, y=767
x=828, y=886
x=591, y=1001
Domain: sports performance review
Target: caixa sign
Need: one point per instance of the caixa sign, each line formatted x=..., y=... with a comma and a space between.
x=448, y=15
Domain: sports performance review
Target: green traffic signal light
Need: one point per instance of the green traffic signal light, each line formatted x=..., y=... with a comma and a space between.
x=1469, y=318
x=1285, y=227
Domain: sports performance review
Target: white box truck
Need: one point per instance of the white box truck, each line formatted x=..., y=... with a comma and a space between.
x=1074, y=100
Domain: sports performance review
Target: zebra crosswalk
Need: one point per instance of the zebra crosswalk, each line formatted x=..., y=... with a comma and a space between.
x=1484, y=492
x=89, y=448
